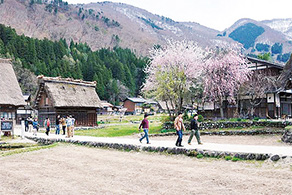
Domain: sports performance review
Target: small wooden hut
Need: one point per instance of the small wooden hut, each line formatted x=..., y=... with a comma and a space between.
x=10, y=93
x=60, y=96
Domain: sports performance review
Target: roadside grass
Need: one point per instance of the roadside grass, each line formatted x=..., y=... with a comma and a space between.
x=24, y=147
x=118, y=130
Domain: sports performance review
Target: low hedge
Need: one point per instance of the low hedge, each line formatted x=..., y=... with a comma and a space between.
x=222, y=125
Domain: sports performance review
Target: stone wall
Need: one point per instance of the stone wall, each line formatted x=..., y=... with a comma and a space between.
x=222, y=125
x=165, y=150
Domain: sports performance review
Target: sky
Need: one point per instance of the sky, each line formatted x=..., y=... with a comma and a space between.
x=216, y=14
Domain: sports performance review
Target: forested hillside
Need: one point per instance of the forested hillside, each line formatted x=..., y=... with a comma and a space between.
x=118, y=72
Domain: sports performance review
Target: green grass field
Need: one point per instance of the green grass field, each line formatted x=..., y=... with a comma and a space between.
x=129, y=118
x=119, y=130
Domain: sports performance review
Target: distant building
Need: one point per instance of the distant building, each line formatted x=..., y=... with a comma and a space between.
x=10, y=93
x=134, y=105
x=107, y=108
x=274, y=104
x=164, y=106
x=25, y=111
x=60, y=96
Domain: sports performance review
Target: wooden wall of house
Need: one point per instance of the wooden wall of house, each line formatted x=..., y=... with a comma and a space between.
x=8, y=112
x=83, y=116
x=129, y=105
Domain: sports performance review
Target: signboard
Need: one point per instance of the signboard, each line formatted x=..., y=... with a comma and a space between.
x=270, y=98
x=6, y=125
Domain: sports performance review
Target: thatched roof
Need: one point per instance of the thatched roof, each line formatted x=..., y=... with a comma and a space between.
x=69, y=92
x=10, y=92
x=286, y=75
x=163, y=105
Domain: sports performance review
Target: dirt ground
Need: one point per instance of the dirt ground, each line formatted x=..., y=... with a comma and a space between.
x=69, y=169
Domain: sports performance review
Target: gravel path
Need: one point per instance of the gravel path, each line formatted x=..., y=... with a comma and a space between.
x=70, y=169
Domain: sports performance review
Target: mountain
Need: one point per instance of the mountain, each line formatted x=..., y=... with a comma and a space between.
x=101, y=25
x=281, y=25
x=258, y=37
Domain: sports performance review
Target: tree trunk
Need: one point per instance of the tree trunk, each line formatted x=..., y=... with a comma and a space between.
x=221, y=109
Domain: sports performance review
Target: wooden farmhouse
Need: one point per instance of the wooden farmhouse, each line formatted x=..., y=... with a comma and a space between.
x=59, y=96
x=134, y=105
x=10, y=93
x=274, y=103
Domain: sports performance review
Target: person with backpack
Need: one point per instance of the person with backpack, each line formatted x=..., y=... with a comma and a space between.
x=47, y=125
x=35, y=125
x=145, y=125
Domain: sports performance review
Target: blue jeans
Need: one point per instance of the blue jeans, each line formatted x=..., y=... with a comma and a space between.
x=179, y=138
x=145, y=135
x=57, y=129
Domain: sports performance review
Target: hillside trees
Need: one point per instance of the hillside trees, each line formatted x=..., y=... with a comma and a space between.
x=76, y=60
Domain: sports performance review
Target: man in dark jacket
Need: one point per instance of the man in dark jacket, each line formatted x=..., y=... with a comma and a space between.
x=195, y=130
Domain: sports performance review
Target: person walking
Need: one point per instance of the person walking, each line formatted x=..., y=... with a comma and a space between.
x=35, y=125
x=58, y=118
x=73, y=125
x=145, y=125
x=30, y=124
x=69, y=124
x=195, y=130
x=47, y=125
x=179, y=126
x=63, y=123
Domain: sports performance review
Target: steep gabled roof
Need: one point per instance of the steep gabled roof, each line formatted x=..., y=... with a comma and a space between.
x=68, y=92
x=10, y=92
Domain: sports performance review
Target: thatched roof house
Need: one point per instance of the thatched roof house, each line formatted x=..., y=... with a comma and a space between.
x=60, y=96
x=10, y=92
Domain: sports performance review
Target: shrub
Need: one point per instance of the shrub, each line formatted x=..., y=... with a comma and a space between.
x=227, y=157
x=239, y=119
x=256, y=118
x=200, y=118
x=234, y=159
x=200, y=155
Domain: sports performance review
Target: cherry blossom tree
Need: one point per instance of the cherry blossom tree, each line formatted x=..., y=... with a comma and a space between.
x=224, y=72
x=172, y=70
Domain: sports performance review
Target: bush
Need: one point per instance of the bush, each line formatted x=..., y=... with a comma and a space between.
x=200, y=156
x=239, y=119
x=227, y=157
x=256, y=118
x=234, y=159
x=200, y=118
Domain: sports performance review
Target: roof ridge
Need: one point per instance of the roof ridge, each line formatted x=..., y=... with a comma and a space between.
x=66, y=80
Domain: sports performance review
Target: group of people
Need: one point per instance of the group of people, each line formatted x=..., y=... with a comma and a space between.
x=31, y=125
x=178, y=125
x=64, y=123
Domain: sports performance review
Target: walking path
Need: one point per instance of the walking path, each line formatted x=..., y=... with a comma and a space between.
x=280, y=150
